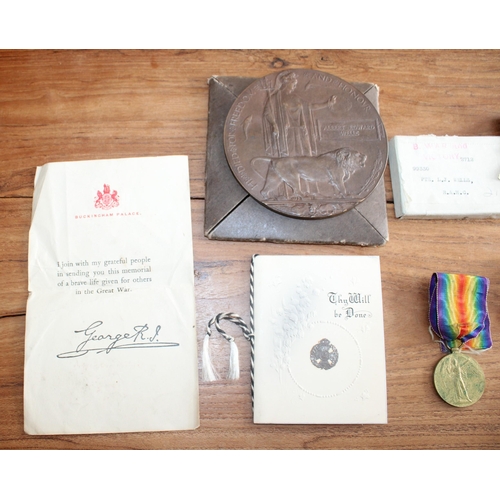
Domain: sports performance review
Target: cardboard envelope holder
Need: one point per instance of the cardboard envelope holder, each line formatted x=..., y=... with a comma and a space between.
x=232, y=214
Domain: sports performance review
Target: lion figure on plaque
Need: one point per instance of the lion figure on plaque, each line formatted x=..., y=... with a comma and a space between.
x=303, y=174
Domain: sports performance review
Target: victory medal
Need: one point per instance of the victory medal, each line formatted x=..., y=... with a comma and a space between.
x=458, y=316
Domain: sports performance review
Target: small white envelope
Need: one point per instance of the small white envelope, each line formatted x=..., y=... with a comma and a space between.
x=445, y=177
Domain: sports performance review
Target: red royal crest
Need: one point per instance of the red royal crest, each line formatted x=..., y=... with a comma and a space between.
x=106, y=200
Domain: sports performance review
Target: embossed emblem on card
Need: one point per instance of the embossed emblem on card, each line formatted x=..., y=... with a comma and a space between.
x=324, y=355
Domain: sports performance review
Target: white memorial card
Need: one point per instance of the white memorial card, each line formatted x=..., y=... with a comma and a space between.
x=319, y=340
x=445, y=177
x=110, y=327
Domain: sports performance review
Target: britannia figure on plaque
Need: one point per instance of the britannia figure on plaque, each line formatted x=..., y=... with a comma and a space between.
x=289, y=122
x=285, y=120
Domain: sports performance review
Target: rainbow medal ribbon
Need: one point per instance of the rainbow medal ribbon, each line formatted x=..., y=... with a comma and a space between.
x=458, y=316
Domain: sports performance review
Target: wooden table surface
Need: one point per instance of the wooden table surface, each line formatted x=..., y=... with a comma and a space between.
x=82, y=105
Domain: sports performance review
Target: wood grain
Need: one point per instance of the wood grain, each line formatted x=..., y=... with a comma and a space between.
x=76, y=105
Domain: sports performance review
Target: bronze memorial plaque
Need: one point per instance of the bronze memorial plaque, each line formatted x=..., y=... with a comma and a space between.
x=305, y=143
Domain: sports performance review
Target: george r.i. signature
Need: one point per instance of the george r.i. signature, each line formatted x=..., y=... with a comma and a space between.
x=98, y=342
